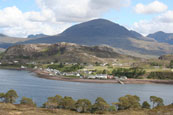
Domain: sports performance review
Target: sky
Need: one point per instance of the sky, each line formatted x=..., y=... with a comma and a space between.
x=20, y=18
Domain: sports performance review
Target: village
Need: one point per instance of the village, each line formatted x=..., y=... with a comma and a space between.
x=85, y=73
x=79, y=74
x=117, y=71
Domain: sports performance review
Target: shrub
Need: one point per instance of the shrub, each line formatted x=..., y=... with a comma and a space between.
x=67, y=103
x=157, y=101
x=27, y=101
x=145, y=105
x=128, y=102
x=53, y=102
x=100, y=105
x=10, y=96
x=83, y=105
x=2, y=96
x=171, y=64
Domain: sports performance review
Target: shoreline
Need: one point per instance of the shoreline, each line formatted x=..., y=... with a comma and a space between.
x=41, y=74
x=44, y=75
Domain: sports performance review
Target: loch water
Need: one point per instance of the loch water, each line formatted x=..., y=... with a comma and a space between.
x=27, y=84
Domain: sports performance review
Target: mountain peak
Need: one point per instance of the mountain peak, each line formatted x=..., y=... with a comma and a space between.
x=161, y=36
x=97, y=28
x=100, y=20
x=160, y=32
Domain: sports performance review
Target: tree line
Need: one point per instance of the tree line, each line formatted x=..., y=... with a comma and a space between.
x=64, y=68
x=129, y=72
x=161, y=75
x=85, y=105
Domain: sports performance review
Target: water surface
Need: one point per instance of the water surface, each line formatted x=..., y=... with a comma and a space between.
x=27, y=84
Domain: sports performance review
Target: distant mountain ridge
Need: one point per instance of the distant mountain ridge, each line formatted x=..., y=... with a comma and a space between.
x=7, y=41
x=105, y=32
x=2, y=35
x=88, y=32
x=162, y=37
x=37, y=36
x=101, y=31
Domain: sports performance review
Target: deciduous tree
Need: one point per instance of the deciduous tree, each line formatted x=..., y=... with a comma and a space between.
x=128, y=101
x=100, y=105
x=157, y=101
x=2, y=96
x=67, y=103
x=11, y=96
x=27, y=101
x=83, y=105
x=53, y=102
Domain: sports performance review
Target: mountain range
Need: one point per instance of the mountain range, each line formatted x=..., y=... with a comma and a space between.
x=37, y=36
x=101, y=31
x=162, y=37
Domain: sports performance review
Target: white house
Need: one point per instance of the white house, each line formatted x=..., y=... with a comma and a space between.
x=91, y=77
x=101, y=76
x=78, y=75
x=123, y=78
x=16, y=61
x=23, y=67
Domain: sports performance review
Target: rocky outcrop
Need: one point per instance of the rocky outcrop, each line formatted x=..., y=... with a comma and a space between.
x=63, y=52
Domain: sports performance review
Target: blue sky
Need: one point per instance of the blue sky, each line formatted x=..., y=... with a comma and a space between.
x=23, y=5
x=53, y=16
x=126, y=16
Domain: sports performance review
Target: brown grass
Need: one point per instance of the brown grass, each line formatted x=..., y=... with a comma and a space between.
x=10, y=109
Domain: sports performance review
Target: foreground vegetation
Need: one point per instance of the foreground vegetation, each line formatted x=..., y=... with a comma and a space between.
x=66, y=105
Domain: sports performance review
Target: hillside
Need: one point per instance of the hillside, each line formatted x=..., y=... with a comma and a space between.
x=162, y=37
x=6, y=41
x=63, y=52
x=101, y=31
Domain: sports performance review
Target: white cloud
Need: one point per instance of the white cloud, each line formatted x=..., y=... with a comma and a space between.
x=154, y=7
x=14, y=22
x=166, y=17
x=163, y=22
x=54, y=15
x=80, y=10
